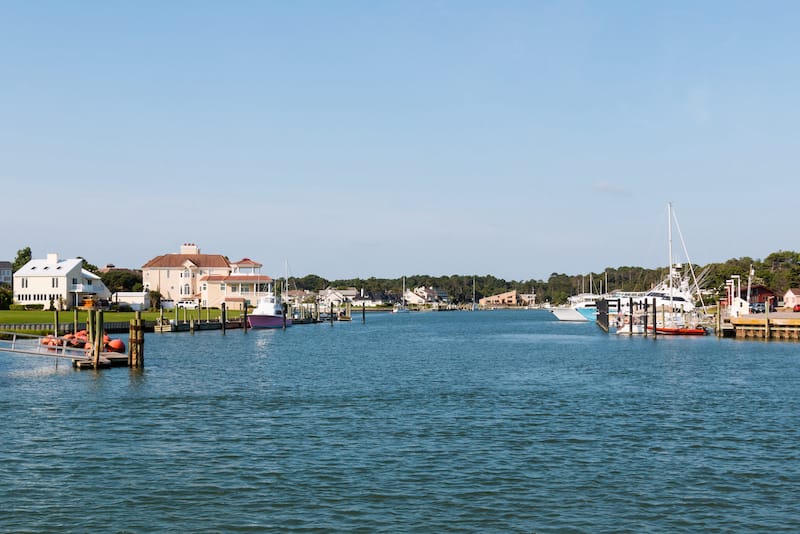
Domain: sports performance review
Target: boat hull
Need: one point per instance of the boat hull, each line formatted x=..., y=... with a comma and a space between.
x=267, y=321
x=679, y=331
x=568, y=314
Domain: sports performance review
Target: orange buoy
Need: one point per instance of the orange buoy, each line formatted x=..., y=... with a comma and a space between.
x=46, y=340
x=116, y=345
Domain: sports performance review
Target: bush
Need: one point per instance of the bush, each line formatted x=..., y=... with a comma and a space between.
x=26, y=307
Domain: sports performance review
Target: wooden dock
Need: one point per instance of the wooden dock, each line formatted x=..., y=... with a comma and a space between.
x=57, y=347
x=766, y=326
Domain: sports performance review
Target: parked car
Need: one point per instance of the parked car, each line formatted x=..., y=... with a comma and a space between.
x=796, y=308
x=757, y=307
x=187, y=304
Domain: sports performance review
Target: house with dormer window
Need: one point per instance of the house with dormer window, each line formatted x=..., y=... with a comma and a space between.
x=62, y=284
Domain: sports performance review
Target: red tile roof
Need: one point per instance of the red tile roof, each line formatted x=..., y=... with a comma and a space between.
x=174, y=261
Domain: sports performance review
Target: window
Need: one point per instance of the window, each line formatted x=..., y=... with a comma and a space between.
x=203, y=287
x=55, y=282
x=74, y=281
x=186, y=290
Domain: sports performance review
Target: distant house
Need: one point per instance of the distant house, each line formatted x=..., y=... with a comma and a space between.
x=337, y=297
x=509, y=298
x=792, y=297
x=5, y=272
x=62, y=284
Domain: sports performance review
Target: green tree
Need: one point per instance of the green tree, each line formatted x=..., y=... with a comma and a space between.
x=6, y=297
x=89, y=266
x=23, y=256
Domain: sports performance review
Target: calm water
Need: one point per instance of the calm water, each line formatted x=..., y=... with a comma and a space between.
x=487, y=421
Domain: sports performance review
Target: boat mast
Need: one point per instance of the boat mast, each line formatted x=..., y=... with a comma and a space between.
x=669, y=237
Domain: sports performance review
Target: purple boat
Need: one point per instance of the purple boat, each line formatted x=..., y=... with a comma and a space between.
x=268, y=313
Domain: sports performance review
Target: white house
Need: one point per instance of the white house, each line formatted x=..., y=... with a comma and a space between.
x=64, y=284
x=137, y=300
x=791, y=298
x=337, y=297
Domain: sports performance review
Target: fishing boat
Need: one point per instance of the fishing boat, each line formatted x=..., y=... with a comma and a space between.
x=673, y=322
x=580, y=307
x=268, y=313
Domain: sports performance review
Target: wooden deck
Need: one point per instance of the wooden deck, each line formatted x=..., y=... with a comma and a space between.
x=776, y=325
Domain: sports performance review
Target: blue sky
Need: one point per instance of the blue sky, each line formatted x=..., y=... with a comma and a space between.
x=357, y=138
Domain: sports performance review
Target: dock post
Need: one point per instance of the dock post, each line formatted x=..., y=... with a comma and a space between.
x=90, y=325
x=630, y=316
x=331, y=313
x=655, y=322
x=98, y=337
x=244, y=317
x=222, y=317
x=285, y=308
x=136, y=342
x=75, y=321
x=55, y=323
x=363, y=313
x=646, y=317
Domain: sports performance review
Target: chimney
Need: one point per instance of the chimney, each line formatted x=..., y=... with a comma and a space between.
x=52, y=258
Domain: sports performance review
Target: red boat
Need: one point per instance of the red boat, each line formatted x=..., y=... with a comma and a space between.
x=680, y=330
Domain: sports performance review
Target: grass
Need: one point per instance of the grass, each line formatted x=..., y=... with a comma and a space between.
x=47, y=317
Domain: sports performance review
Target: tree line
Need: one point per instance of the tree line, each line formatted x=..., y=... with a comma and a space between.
x=779, y=271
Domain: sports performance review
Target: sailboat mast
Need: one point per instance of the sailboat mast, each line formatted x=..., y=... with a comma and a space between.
x=669, y=237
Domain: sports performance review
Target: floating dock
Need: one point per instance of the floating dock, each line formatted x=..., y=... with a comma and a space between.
x=17, y=343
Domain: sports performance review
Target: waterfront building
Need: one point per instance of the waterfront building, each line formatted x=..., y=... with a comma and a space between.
x=60, y=284
x=208, y=280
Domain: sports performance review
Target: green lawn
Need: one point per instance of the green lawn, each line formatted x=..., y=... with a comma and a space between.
x=47, y=317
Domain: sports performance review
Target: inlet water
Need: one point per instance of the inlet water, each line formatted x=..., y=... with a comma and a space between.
x=502, y=421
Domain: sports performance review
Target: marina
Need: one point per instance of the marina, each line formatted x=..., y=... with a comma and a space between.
x=496, y=421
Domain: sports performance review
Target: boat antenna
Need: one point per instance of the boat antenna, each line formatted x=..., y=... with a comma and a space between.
x=691, y=266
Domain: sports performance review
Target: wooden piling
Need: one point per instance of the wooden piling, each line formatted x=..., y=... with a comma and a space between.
x=655, y=321
x=363, y=313
x=630, y=317
x=136, y=342
x=223, y=317
x=97, y=344
x=285, y=309
x=331, y=317
x=55, y=323
x=244, y=318
x=75, y=320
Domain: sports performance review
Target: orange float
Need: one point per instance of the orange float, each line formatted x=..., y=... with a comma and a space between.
x=116, y=345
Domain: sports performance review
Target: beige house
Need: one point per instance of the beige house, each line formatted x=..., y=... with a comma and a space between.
x=508, y=298
x=206, y=279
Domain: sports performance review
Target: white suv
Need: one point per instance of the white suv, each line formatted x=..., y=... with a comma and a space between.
x=188, y=304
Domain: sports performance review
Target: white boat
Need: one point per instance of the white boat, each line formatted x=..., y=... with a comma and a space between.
x=673, y=298
x=581, y=307
x=268, y=313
